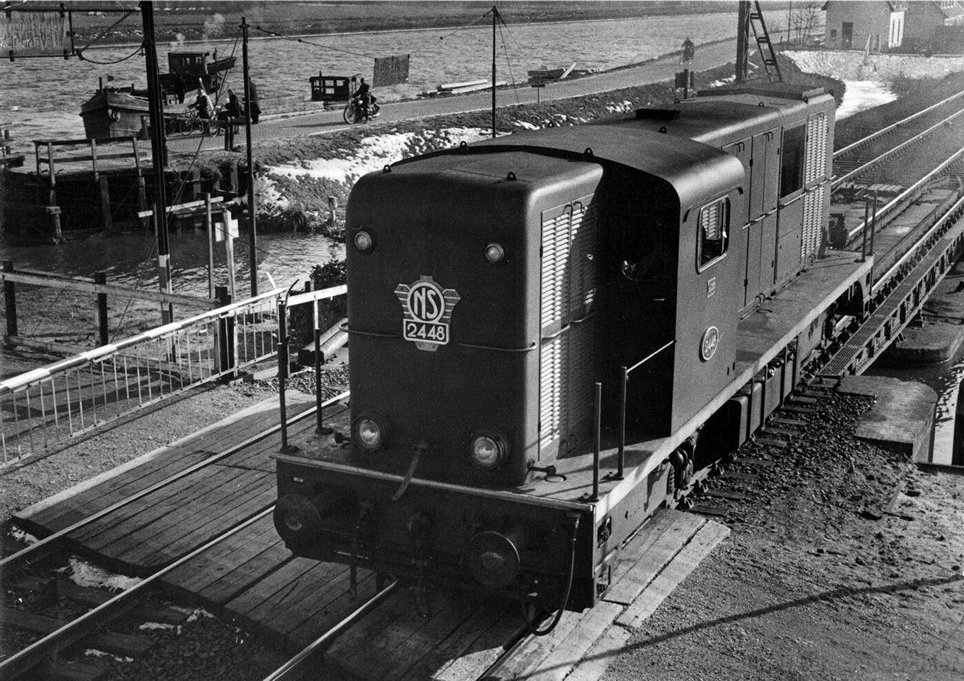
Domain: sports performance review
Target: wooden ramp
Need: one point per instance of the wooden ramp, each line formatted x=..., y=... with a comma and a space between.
x=254, y=580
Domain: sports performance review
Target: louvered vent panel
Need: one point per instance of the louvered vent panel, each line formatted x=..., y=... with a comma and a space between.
x=555, y=252
x=568, y=291
x=551, y=373
x=817, y=128
x=583, y=266
x=812, y=219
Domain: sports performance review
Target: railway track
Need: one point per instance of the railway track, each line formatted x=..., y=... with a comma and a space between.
x=932, y=244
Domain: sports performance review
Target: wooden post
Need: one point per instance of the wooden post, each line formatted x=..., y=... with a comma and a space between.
x=142, y=201
x=105, y=203
x=10, y=300
x=93, y=159
x=101, y=278
x=52, y=195
x=233, y=179
x=209, y=224
x=229, y=252
x=225, y=339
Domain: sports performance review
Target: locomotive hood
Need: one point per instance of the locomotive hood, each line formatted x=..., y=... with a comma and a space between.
x=693, y=169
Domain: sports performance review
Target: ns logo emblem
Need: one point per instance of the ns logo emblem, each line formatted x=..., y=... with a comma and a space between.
x=711, y=340
x=426, y=311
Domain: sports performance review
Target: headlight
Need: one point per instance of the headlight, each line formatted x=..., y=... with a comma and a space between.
x=487, y=451
x=369, y=433
x=494, y=253
x=364, y=241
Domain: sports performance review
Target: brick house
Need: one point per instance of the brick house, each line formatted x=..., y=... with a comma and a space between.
x=903, y=26
x=854, y=25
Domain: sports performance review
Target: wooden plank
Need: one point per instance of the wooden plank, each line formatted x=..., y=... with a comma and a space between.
x=556, y=667
x=771, y=442
x=607, y=647
x=725, y=494
x=652, y=553
x=793, y=409
x=783, y=421
x=326, y=611
x=173, y=541
x=243, y=576
x=63, y=670
x=472, y=646
x=484, y=651
x=399, y=643
x=203, y=570
x=682, y=565
x=108, y=641
x=533, y=651
x=152, y=508
x=780, y=432
x=282, y=588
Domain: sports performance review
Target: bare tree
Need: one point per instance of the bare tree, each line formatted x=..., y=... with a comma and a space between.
x=803, y=20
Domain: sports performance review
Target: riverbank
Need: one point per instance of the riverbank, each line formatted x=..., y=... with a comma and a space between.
x=186, y=23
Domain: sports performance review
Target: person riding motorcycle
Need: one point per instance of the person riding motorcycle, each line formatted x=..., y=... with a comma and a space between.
x=365, y=98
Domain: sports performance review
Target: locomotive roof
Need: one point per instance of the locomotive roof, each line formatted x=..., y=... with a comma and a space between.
x=730, y=114
x=692, y=168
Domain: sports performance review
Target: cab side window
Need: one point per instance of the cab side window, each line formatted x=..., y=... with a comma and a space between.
x=714, y=232
x=791, y=165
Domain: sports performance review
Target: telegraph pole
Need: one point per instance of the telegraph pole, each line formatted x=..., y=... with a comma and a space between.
x=158, y=157
x=495, y=16
x=252, y=223
x=743, y=42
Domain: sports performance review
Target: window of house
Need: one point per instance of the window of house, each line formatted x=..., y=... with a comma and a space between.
x=791, y=161
x=833, y=34
x=714, y=232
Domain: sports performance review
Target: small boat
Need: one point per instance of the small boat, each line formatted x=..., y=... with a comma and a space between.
x=467, y=86
x=124, y=111
x=545, y=75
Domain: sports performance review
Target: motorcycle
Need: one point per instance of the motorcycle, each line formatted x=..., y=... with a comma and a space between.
x=355, y=111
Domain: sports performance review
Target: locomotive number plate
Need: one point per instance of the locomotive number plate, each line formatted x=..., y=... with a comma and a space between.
x=426, y=332
x=426, y=311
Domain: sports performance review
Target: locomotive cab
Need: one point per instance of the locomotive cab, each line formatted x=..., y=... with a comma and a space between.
x=469, y=276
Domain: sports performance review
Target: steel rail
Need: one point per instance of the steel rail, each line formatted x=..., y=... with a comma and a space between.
x=294, y=666
x=77, y=629
x=890, y=152
x=46, y=541
x=894, y=126
x=918, y=245
x=907, y=193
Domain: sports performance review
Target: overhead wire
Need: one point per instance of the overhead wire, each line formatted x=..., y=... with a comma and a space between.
x=308, y=42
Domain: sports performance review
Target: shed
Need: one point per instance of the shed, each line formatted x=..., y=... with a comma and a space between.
x=878, y=26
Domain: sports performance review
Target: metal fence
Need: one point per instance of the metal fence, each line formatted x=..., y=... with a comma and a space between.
x=42, y=409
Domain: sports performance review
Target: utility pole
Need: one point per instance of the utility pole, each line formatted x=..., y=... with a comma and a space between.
x=743, y=42
x=252, y=208
x=158, y=157
x=495, y=16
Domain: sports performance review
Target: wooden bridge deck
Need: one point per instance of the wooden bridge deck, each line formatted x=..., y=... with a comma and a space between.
x=253, y=579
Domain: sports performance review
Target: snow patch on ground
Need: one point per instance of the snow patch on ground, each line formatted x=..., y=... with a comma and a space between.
x=878, y=67
x=193, y=614
x=93, y=652
x=85, y=574
x=861, y=95
x=19, y=535
x=269, y=194
x=375, y=153
x=155, y=626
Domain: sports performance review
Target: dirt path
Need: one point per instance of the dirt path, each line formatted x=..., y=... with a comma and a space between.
x=817, y=581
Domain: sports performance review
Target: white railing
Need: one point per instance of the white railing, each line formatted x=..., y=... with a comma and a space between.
x=42, y=409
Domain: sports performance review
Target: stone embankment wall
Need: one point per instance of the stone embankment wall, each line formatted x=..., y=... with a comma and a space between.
x=853, y=65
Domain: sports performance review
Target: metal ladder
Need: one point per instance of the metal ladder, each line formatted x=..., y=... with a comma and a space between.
x=767, y=54
x=751, y=17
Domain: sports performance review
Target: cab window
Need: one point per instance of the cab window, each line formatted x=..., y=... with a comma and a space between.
x=714, y=232
x=791, y=163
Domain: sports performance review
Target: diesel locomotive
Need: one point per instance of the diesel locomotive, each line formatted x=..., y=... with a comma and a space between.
x=550, y=331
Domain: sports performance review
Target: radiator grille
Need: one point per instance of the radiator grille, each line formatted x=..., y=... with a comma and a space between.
x=817, y=128
x=812, y=222
x=568, y=290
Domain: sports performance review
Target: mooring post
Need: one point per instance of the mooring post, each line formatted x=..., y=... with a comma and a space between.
x=283, y=372
x=101, y=278
x=225, y=341
x=105, y=203
x=209, y=225
x=10, y=300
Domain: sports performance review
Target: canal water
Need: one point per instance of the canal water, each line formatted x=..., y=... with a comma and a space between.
x=42, y=97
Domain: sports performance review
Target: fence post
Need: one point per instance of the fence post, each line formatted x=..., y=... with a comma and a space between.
x=10, y=299
x=225, y=340
x=142, y=200
x=101, y=278
x=105, y=203
x=283, y=366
